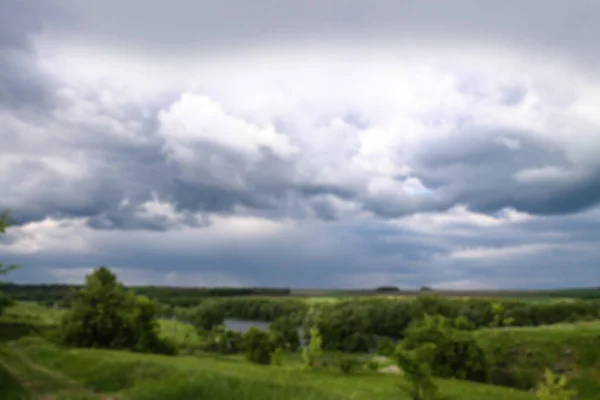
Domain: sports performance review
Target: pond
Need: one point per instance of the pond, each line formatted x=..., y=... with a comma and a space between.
x=242, y=326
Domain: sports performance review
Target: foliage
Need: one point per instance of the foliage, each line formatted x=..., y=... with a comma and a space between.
x=372, y=365
x=277, y=357
x=387, y=289
x=462, y=323
x=416, y=366
x=500, y=318
x=347, y=363
x=456, y=354
x=518, y=357
x=4, y=224
x=207, y=315
x=312, y=353
x=104, y=314
x=554, y=387
x=386, y=347
x=221, y=340
x=285, y=332
x=258, y=346
x=5, y=301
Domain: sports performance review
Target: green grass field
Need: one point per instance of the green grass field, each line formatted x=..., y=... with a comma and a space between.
x=33, y=368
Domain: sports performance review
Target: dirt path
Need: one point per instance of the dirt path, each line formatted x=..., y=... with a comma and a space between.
x=41, y=382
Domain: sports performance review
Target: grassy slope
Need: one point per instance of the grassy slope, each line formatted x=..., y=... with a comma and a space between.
x=45, y=371
x=521, y=354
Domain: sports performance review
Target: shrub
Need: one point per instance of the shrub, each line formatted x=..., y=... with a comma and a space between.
x=277, y=357
x=456, y=354
x=386, y=347
x=311, y=354
x=222, y=341
x=104, y=314
x=462, y=323
x=554, y=388
x=372, y=365
x=258, y=346
x=347, y=363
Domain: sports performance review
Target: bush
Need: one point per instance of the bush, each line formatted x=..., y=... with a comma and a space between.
x=386, y=347
x=277, y=357
x=456, y=354
x=554, y=388
x=347, y=364
x=105, y=315
x=220, y=340
x=258, y=346
x=372, y=365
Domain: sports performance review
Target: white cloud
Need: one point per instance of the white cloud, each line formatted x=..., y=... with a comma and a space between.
x=506, y=252
x=196, y=118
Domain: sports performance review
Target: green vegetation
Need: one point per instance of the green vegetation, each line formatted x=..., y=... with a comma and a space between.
x=4, y=224
x=313, y=352
x=105, y=315
x=106, y=345
x=554, y=387
x=258, y=345
x=416, y=364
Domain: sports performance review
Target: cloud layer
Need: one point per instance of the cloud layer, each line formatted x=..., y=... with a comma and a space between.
x=305, y=146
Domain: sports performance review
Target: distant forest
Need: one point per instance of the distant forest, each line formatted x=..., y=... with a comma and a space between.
x=51, y=294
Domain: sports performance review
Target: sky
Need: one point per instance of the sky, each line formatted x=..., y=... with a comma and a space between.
x=302, y=144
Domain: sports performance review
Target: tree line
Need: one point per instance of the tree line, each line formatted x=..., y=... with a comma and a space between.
x=356, y=325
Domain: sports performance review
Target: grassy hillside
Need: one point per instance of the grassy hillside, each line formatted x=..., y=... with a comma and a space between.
x=35, y=368
x=520, y=355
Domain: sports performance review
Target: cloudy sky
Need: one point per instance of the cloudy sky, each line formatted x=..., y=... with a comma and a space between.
x=330, y=143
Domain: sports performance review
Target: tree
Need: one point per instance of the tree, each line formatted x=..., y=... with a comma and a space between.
x=4, y=224
x=312, y=353
x=285, y=333
x=106, y=315
x=5, y=269
x=456, y=354
x=258, y=346
x=207, y=315
x=416, y=366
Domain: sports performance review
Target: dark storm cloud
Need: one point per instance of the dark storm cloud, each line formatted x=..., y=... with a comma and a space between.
x=22, y=84
x=475, y=167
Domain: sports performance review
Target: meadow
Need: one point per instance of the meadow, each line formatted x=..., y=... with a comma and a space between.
x=32, y=367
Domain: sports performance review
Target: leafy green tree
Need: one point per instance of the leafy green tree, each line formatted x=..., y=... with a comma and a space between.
x=285, y=332
x=207, y=315
x=456, y=354
x=312, y=353
x=258, y=345
x=5, y=301
x=500, y=318
x=104, y=314
x=416, y=366
x=4, y=224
